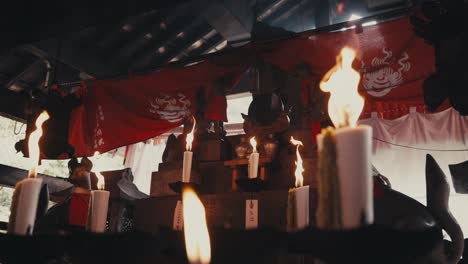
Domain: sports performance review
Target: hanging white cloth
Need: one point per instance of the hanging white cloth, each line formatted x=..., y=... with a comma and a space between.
x=400, y=147
x=143, y=159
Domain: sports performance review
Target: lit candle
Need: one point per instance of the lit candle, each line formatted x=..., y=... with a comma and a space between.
x=353, y=143
x=188, y=155
x=253, y=160
x=300, y=193
x=26, y=195
x=197, y=237
x=98, y=205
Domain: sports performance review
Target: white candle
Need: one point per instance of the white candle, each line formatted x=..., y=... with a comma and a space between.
x=354, y=149
x=302, y=206
x=26, y=195
x=253, y=160
x=23, y=215
x=188, y=154
x=301, y=193
x=253, y=165
x=99, y=204
x=187, y=166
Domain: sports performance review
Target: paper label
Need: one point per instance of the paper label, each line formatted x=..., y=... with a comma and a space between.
x=178, y=223
x=251, y=214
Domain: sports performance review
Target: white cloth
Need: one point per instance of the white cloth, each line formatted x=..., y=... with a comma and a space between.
x=143, y=159
x=405, y=167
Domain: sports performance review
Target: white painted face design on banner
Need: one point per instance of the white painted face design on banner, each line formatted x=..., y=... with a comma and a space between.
x=380, y=82
x=170, y=108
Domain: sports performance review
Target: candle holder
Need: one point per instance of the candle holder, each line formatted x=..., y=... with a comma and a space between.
x=238, y=169
x=178, y=186
x=251, y=185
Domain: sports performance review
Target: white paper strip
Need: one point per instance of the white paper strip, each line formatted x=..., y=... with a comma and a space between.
x=251, y=214
x=178, y=222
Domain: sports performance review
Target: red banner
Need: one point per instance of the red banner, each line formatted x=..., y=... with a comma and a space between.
x=121, y=112
x=392, y=59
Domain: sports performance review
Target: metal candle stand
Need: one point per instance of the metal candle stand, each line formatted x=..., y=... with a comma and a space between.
x=239, y=181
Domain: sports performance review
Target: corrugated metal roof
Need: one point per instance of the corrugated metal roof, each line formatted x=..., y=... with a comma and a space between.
x=139, y=43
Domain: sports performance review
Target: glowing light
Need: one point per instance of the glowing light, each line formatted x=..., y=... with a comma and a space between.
x=370, y=23
x=197, y=238
x=190, y=136
x=299, y=167
x=33, y=143
x=341, y=81
x=253, y=142
x=354, y=17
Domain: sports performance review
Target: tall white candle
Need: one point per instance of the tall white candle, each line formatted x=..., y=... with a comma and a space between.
x=354, y=150
x=253, y=160
x=302, y=206
x=26, y=195
x=353, y=143
x=301, y=193
x=187, y=166
x=188, y=155
x=98, y=206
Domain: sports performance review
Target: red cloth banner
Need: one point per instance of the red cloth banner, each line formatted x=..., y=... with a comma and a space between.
x=121, y=112
x=393, y=61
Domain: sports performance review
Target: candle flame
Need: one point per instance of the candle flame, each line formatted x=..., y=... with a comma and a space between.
x=101, y=183
x=197, y=238
x=341, y=81
x=253, y=142
x=33, y=143
x=190, y=136
x=298, y=162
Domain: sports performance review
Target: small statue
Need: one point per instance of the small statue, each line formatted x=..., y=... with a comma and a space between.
x=242, y=148
x=270, y=146
x=71, y=211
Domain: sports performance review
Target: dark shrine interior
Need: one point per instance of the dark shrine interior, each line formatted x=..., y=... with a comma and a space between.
x=234, y=131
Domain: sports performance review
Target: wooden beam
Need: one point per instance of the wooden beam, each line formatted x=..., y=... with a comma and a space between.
x=9, y=176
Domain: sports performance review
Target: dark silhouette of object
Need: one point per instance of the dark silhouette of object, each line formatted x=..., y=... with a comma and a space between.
x=443, y=25
x=460, y=176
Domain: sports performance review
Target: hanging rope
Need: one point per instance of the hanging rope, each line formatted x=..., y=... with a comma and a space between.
x=424, y=149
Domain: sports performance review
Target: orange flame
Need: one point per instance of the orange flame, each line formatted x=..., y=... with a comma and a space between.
x=189, y=138
x=101, y=183
x=253, y=142
x=341, y=81
x=197, y=238
x=33, y=143
x=299, y=166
